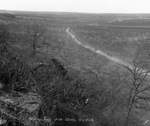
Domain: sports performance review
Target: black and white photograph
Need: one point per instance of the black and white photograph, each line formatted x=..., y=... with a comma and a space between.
x=74, y=63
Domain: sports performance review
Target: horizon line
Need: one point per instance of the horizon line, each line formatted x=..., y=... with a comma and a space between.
x=80, y=12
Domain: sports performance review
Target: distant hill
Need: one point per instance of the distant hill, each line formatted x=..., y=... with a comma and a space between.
x=132, y=22
x=116, y=19
x=5, y=15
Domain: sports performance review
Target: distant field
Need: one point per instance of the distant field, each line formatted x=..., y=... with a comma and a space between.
x=132, y=22
x=116, y=34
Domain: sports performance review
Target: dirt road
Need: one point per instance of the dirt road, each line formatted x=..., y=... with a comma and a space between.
x=100, y=52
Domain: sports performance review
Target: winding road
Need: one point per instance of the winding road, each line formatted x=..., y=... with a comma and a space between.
x=100, y=52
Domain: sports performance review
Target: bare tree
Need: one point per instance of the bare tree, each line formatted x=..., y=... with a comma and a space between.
x=36, y=35
x=4, y=33
x=4, y=38
x=138, y=88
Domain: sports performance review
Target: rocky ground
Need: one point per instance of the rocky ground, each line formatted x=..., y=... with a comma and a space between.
x=18, y=106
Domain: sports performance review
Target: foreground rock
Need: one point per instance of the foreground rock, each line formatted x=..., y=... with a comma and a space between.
x=18, y=107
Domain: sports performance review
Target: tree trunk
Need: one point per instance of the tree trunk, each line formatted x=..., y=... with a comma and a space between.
x=128, y=115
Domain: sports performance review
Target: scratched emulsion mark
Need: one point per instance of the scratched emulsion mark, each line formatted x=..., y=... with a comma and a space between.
x=145, y=122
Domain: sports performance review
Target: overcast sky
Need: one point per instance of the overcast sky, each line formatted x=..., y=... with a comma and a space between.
x=92, y=6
